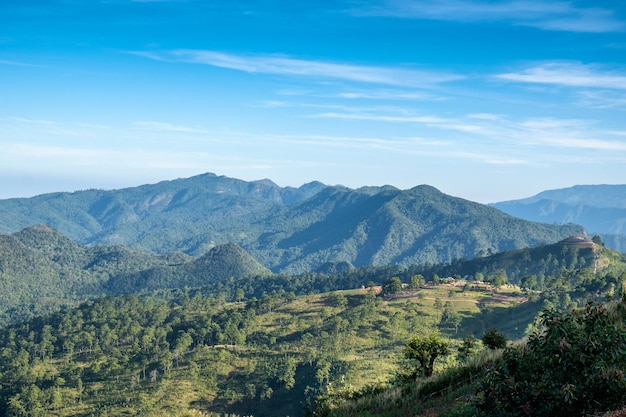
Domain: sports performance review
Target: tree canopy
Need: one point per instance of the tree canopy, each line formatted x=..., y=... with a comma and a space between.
x=425, y=350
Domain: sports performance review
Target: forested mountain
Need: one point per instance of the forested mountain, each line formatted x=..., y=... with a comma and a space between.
x=601, y=209
x=41, y=271
x=285, y=229
x=219, y=264
x=390, y=226
x=518, y=265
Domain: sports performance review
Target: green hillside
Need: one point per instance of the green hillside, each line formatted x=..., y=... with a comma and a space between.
x=183, y=354
x=266, y=344
x=290, y=230
x=571, y=364
x=219, y=264
x=43, y=271
x=571, y=254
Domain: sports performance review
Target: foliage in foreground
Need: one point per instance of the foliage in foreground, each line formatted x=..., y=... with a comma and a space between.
x=573, y=364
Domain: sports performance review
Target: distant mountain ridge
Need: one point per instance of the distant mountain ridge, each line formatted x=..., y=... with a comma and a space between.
x=601, y=209
x=286, y=229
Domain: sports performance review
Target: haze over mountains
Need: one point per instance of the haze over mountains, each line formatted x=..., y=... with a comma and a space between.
x=286, y=229
x=601, y=209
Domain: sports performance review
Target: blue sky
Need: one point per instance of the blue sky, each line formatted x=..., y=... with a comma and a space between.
x=485, y=100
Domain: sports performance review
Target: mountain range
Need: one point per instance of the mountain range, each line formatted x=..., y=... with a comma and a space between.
x=286, y=229
x=43, y=271
x=601, y=209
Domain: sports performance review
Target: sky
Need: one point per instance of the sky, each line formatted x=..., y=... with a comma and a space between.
x=485, y=100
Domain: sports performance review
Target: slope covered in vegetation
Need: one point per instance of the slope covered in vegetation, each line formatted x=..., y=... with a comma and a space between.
x=179, y=353
x=571, y=364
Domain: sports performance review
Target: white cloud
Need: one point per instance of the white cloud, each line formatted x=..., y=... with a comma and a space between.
x=381, y=118
x=602, y=99
x=509, y=136
x=387, y=95
x=484, y=116
x=552, y=15
x=282, y=65
x=571, y=74
x=586, y=143
x=165, y=127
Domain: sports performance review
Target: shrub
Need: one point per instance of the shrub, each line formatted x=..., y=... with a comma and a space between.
x=573, y=364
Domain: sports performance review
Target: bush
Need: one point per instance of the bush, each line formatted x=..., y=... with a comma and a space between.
x=573, y=364
x=493, y=339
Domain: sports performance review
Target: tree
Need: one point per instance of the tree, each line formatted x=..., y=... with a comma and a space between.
x=416, y=282
x=393, y=286
x=493, y=339
x=438, y=304
x=339, y=300
x=500, y=280
x=425, y=350
x=467, y=347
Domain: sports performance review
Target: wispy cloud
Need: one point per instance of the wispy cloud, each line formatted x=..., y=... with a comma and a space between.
x=492, y=131
x=572, y=74
x=553, y=15
x=602, y=99
x=382, y=118
x=165, y=127
x=387, y=95
x=17, y=64
x=282, y=65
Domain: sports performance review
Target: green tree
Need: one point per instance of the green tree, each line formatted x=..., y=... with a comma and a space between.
x=493, y=339
x=339, y=300
x=438, y=305
x=424, y=350
x=467, y=347
x=500, y=280
x=393, y=286
x=416, y=281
